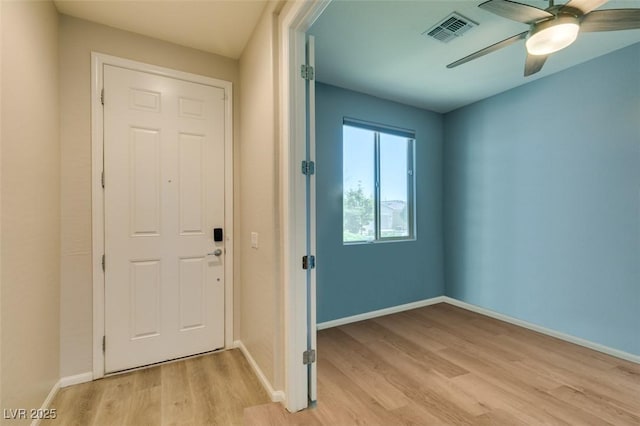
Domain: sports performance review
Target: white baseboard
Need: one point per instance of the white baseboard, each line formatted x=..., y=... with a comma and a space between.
x=47, y=402
x=380, y=312
x=276, y=396
x=549, y=332
x=76, y=379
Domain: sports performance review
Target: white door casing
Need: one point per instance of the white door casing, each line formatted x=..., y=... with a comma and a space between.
x=294, y=20
x=167, y=180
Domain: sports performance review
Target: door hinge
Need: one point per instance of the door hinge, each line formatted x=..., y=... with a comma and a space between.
x=309, y=357
x=104, y=343
x=102, y=96
x=308, y=167
x=103, y=262
x=308, y=262
x=102, y=179
x=307, y=72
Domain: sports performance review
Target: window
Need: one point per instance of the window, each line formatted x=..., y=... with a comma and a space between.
x=377, y=183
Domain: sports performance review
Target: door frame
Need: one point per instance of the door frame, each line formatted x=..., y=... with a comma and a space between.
x=98, y=60
x=294, y=21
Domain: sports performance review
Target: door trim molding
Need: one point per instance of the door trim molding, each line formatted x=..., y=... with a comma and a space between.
x=294, y=20
x=98, y=60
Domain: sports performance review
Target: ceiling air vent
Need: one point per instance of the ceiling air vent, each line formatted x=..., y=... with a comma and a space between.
x=451, y=27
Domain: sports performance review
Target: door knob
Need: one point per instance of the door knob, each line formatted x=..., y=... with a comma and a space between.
x=216, y=252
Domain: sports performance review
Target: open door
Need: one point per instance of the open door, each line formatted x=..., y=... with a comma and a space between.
x=310, y=183
x=297, y=107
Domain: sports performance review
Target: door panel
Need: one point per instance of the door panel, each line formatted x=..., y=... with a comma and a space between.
x=144, y=156
x=192, y=290
x=192, y=184
x=145, y=298
x=164, y=194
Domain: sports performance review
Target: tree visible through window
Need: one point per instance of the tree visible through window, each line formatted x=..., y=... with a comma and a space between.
x=377, y=183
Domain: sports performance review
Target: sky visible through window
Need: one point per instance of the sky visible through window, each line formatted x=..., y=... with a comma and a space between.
x=358, y=150
x=358, y=159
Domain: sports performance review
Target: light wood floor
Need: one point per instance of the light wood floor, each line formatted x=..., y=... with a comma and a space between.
x=444, y=365
x=207, y=390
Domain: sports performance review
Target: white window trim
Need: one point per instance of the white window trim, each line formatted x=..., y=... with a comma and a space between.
x=411, y=193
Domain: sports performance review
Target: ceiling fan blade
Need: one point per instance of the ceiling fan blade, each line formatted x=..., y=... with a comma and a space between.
x=611, y=20
x=497, y=46
x=515, y=11
x=534, y=63
x=584, y=6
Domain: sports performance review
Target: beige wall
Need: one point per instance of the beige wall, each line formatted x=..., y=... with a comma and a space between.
x=261, y=280
x=77, y=40
x=30, y=168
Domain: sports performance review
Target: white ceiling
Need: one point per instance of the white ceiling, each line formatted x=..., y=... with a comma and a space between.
x=222, y=27
x=376, y=47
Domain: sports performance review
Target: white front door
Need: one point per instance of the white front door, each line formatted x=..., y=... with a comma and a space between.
x=164, y=195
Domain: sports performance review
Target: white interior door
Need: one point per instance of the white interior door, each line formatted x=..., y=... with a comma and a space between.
x=164, y=195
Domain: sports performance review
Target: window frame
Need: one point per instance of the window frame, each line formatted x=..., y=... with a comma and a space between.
x=411, y=192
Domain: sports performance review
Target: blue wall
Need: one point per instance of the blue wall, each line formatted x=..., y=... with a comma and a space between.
x=354, y=279
x=542, y=201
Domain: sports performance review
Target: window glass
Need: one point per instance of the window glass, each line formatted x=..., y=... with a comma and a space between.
x=358, y=184
x=394, y=186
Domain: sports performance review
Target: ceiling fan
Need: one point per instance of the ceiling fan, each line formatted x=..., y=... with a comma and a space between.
x=553, y=28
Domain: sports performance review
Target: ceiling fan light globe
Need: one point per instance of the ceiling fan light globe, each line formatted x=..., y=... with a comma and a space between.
x=550, y=36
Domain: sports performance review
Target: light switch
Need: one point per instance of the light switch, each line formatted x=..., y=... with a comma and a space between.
x=254, y=240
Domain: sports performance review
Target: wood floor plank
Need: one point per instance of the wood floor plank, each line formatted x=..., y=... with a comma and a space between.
x=627, y=373
x=274, y=414
x=481, y=340
x=413, y=414
x=506, y=401
x=498, y=416
x=505, y=404
x=597, y=404
x=243, y=389
x=334, y=387
x=362, y=366
x=412, y=363
x=176, y=404
x=82, y=400
x=572, y=373
x=144, y=407
x=406, y=326
x=270, y=414
x=626, y=398
x=208, y=392
x=402, y=345
x=113, y=407
x=389, y=381
x=522, y=390
x=148, y=378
